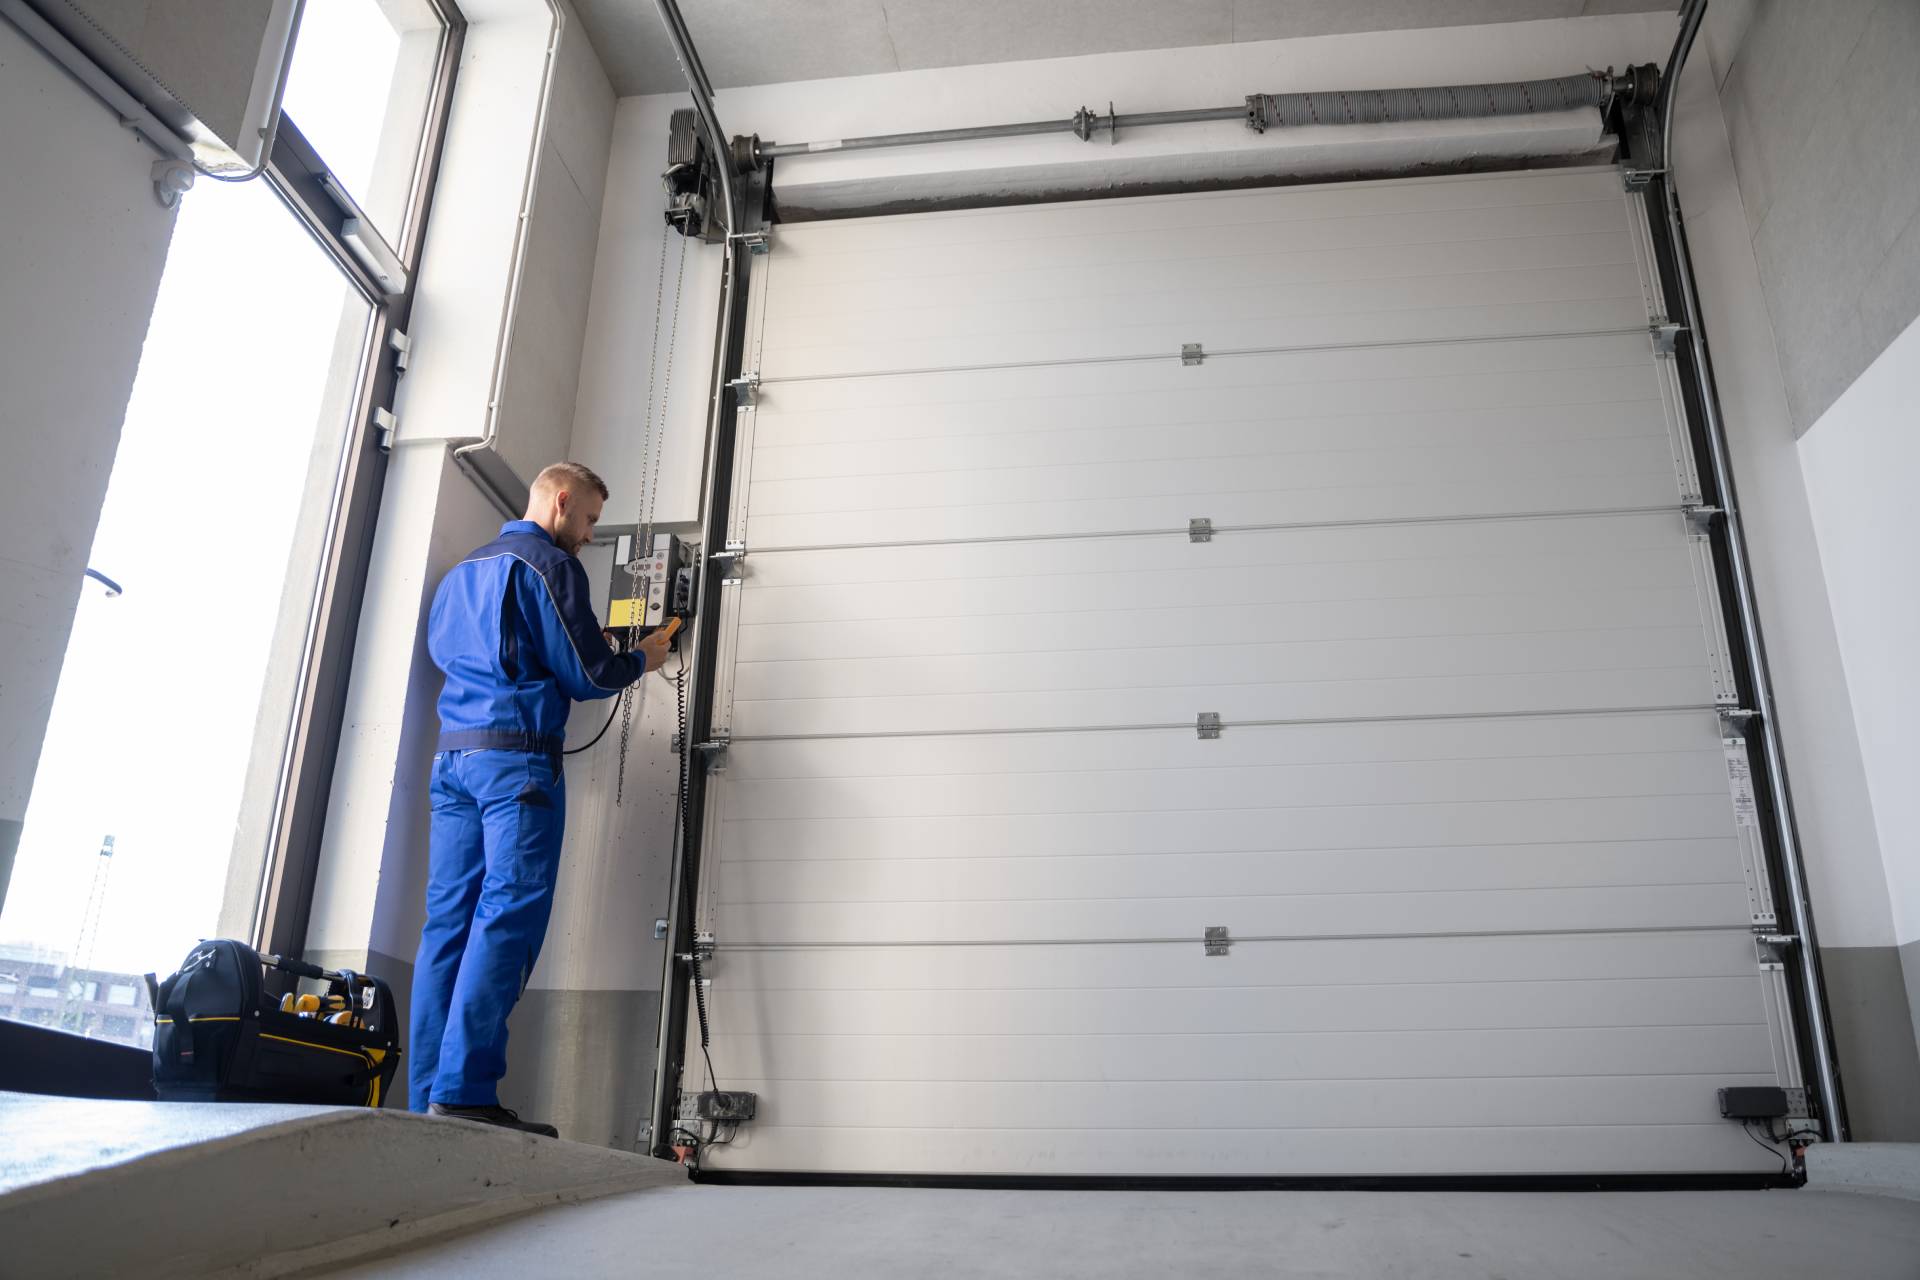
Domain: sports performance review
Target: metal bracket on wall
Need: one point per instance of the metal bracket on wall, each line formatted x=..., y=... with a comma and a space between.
x=1207, y=725
x=1218, y=940
x=1200, y=529
x=746, y=390
x=1665, y=335
x=732, y=562
x=759, y=243
x=714, y=751
x=1700, y=519
x=1190, y=353
x=1770, y=949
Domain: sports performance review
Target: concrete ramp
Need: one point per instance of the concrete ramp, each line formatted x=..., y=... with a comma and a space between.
x=91, y=1188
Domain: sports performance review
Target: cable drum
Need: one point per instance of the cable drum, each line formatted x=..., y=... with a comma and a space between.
x=1442, y=102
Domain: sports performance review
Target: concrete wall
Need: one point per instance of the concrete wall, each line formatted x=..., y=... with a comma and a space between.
x=82, y=245
x=1823, y=111
x=1860, y=459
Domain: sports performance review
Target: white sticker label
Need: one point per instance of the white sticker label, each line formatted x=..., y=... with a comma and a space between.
x=1740, y=778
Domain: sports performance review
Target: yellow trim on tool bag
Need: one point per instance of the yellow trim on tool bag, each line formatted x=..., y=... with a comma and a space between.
x=308, y=1044
x=205, y=1017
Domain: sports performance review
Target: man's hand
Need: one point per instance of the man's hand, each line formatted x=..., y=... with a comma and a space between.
x=653, y=647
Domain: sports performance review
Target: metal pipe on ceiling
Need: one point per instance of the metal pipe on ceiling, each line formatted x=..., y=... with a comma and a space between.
x=1806, y=959
x=1262, y=111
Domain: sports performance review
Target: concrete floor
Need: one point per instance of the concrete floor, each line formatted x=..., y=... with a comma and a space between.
x=846, y=1234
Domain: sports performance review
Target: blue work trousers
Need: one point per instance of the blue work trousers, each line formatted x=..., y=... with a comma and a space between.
x=495, y=854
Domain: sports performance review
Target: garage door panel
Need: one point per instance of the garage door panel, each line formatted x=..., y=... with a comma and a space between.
x=821, y=279
x=819, y=285
x=1227, y=787
x=1258, y=437
x=1230, y=669
x=1437, y=964
x=1103, y=400
x=1479, y=1053
x=1308, y=1104
x=1225, y=624
x=1016, y=488
x=1129, y=574
x=1162, y=331
x=1239, y=291
x=1469, y=822
x=1214, y=212
x=1170, y=874
x=1377, y=914
x=1326, y=827
x=1178, y=700
x=1248, y=388
x=1202, y=1011
x=1525, y=549
x=1250, y=746
x=1487, y=495
x=1228, y=1150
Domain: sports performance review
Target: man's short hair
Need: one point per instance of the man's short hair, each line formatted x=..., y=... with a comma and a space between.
x=572, y=477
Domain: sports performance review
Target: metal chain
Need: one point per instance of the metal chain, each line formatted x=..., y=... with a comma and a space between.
x=655, y=425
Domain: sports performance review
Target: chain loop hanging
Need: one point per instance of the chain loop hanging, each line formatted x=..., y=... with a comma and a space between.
x=652, y=450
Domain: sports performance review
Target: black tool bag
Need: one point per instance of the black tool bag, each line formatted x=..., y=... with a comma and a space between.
x=219, y=1037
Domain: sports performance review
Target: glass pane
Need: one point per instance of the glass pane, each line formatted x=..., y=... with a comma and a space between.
x=148, y=824
x=370, y=137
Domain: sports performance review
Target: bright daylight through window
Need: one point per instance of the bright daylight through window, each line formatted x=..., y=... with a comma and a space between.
x=151, y=815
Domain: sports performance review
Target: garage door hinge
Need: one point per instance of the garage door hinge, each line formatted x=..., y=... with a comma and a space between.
x=1700, y=519
x=385, y=428
x=1207, y=725
x=1637, y=179
x=759, y=243
x=1190, y=353
x=1200, y=529
x=714, y=751
x=1771, y=949
x=746, y=390
x=1666, y=336
x=732, y=562
x=1217, y=940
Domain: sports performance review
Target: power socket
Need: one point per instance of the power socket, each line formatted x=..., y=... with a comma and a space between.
x=726, y=1107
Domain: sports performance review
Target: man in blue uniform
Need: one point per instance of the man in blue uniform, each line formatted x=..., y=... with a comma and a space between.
x=513, y=627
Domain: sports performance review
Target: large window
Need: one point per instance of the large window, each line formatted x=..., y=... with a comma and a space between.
x=159, y=812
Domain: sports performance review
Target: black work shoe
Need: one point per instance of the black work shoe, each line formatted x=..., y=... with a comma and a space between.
x=499, y=1116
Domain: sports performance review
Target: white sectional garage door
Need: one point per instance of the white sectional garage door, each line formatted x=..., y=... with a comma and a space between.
x=1467, y=822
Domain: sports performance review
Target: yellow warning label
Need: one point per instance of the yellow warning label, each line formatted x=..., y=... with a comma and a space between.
x=624, y=613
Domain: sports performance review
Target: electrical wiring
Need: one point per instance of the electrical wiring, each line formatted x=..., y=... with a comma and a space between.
x=1786, y=1161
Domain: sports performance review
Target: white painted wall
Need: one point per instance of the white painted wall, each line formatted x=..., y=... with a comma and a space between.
x=82, y=245
x=1861, y=458
x=1822, y=748
x=500, y=305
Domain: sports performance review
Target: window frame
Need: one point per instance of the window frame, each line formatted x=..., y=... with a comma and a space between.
x=300, y=177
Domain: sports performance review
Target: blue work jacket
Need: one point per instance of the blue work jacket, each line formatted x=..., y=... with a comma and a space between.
x=514, y=630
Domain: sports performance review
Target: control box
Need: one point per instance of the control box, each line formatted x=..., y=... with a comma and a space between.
x=658, y=585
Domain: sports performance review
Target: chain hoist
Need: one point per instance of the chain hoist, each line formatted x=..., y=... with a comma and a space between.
x=652, y=450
